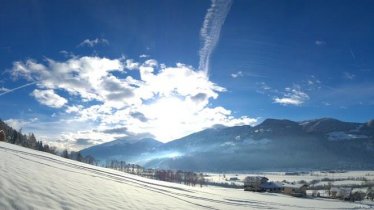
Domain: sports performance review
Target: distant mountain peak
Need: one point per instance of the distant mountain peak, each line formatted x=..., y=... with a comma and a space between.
x=218, y=126
x=277, y=143
x=319, y=120
x=131, y=140
x=326, y=125
x=148, y=140
x=277, y=122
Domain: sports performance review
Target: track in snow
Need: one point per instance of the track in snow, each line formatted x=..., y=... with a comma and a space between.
x=73, y=188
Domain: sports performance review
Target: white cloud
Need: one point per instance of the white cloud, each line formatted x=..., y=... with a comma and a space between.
x=3, y=89
x=19, y=123
x=295, y=95
x=348, y=76
x=264, y=86
x=319, y=42
x=246, y=74
x=82, y=139
x=164, y=102
x=49, y=98
x=86, y=77
x=288, y=101
x=93, y=42
x=67, y=54
x=74, y=108
x=312, y=83
x=292, y=96
x=143, y=56
x=211, y=29
x=237, y=74
x=131, y=64
x=150, y=63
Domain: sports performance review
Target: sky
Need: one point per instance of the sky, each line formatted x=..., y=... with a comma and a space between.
x=79, y=73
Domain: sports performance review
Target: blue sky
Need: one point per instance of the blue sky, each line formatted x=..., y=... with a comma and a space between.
x=94, y=66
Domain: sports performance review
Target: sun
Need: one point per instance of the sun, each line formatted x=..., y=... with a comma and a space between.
x=171, y=115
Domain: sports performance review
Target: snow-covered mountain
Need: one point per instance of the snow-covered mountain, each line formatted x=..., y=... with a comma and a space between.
x=123, y=149
x=32, y=179
x=273, y=144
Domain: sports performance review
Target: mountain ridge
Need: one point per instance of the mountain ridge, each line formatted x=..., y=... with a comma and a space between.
x=272, y=144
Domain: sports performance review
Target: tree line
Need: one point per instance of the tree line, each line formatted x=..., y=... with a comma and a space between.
x=17, y=137
x=177, y=176
x=13, y=136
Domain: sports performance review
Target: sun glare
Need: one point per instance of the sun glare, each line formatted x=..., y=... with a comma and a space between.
x=169, y=116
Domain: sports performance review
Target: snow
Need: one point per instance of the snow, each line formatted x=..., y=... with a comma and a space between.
x=35, y=180
x=308, y=176
x=340, y=136
x=261, y=130
x=304, y=123
x=340, y=183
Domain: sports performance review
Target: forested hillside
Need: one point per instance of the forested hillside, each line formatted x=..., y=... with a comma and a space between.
x=11, y=135
x=26, y=140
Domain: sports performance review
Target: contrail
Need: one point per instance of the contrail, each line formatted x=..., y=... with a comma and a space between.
x=353, y=55
x=9, y=91
x=211, y=29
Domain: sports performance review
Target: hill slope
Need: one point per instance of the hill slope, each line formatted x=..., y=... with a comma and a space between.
x=122, y=149
x=36, y=180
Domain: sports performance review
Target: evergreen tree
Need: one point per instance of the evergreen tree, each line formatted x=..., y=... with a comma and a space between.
x=65, y=153
x=32, y=141
x=79, y=157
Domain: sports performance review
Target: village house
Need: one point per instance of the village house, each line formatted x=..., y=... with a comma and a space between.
x=261, y=184
x=343, y=193
x=233, y=179
x=297, y=190
x=348, y=194
x=253, y=183
x=276, y=187
x=2, y=135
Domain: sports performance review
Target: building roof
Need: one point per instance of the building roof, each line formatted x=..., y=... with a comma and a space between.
x=295, y=186
x=271, y=185
x=255, y=178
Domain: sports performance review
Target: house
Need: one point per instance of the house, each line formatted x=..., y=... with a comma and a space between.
x=261, y=184
x=276, y=187
x=253, y=183
x=340, y=193
x=2, y=135
x=297, y=190
x=234, y=179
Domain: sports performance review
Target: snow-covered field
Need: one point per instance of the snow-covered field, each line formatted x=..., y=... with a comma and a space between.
x=34, y=180
x=342, y=178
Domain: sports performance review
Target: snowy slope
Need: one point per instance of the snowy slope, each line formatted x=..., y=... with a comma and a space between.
x=34, y=180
